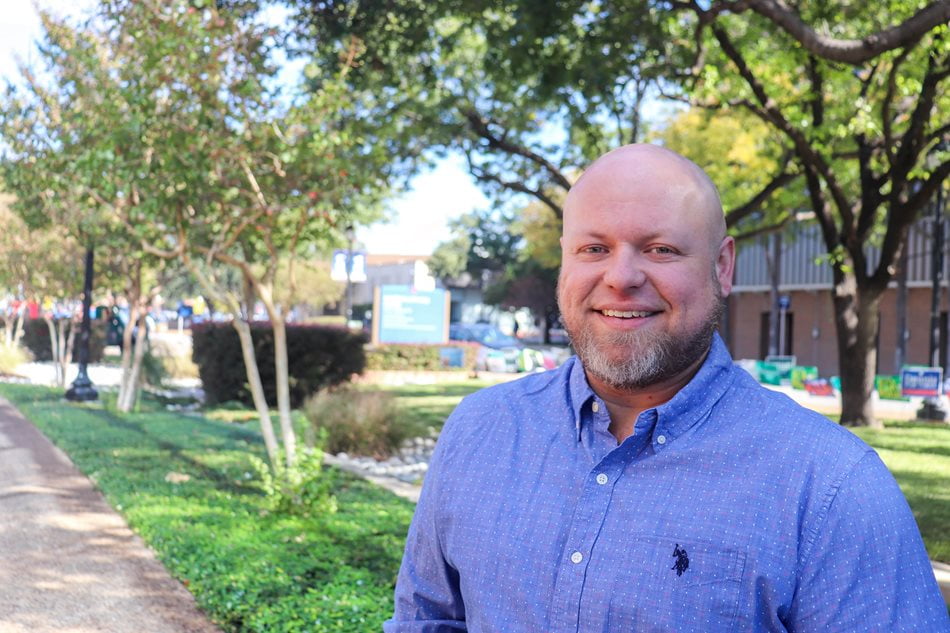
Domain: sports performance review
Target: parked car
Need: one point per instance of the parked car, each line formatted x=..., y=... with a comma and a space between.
x=499, y=351
x=484, y=333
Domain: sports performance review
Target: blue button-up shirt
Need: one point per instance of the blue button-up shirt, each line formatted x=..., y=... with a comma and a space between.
x=730, y=508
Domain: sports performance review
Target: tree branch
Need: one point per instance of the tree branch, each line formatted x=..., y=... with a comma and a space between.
x=520, y=187
x=771, y=114
x=888, y=103
x=763, y=230
x=736, y=215
x=480, y=127
x=853, y=52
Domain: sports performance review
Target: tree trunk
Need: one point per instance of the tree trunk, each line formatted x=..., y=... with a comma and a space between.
x=19, y=327
x=55, y=351
x=70, y=342
x=130, y=393
x=856, y=318
x=281, y=375
x=257, y=388
x=243, y=330
x=125, y=382
x=65, y=345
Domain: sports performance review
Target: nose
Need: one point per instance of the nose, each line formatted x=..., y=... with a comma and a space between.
x=625, y=269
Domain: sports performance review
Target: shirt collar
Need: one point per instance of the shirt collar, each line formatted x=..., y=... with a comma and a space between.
x=691, y=404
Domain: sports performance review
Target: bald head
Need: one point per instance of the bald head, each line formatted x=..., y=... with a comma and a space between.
x=641, y=171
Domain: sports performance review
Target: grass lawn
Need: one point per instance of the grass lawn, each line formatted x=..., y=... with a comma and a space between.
x=430, y=405
x=254, y=570
x=250, y=570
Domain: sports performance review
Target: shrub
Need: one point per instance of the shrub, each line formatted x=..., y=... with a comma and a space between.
x=36, y=339
x=405, y=356
x=317, y=357
x=305, y=489
x=179, y=366
x=358, y=422
x=11, y=357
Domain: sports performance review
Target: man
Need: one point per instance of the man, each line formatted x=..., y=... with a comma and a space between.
x=648, y=484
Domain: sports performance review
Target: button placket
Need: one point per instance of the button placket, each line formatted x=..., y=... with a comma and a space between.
x=586, y=525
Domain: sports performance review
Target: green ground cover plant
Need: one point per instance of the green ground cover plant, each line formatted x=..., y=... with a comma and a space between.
x=186, y=484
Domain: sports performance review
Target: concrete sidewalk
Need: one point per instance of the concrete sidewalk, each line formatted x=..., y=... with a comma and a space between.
x=68, y=562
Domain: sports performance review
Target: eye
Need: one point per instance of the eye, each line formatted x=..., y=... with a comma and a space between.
x=593, y=249
x=662, y=250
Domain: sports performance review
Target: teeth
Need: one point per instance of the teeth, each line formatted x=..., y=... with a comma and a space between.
x=625, y=314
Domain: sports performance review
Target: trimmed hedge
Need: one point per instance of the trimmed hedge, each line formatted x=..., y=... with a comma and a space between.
x=36, y=339
x=317, y=356
x=418, y=357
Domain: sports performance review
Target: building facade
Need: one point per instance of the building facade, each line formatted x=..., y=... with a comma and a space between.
x=806, y=323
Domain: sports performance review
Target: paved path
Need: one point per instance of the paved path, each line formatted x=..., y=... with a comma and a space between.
x=68, y=562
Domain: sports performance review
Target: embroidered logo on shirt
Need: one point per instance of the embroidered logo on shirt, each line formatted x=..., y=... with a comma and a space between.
x=682, y=560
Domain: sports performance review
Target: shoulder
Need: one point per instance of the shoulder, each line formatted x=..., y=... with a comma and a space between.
x=532, y=385
x=765, y=413
x=508, y=408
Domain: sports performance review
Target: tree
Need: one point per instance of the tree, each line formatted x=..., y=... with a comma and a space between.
x=496, y=80
x=482, y=246
x=857, y=104
x=63, y=161
x=41, y=263
x=867, y=138
x=201, y=159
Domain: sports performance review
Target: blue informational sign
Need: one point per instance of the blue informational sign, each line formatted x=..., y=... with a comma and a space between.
x=406, y=315
x=921, y=381
x=784, y=302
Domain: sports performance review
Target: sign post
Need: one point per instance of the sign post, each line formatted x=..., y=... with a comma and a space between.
x=784, y=303
x=926, y=382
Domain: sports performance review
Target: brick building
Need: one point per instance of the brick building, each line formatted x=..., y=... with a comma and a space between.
x=808, y=329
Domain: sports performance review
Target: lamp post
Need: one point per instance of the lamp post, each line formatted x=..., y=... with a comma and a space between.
x=932, y=408
x=350, y=233
x=82, y=389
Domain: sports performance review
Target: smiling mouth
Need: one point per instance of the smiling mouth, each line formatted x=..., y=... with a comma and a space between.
x=627, y=314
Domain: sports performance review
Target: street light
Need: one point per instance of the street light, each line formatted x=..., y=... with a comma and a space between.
x=350, y=233
x=82, y=389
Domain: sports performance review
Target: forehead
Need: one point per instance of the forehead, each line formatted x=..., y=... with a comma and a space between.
x=644, y=207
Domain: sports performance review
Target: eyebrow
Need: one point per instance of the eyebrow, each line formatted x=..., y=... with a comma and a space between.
x=647, y=237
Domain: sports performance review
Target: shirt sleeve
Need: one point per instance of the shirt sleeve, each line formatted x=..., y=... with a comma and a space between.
x=428, y=598
x=863, y=566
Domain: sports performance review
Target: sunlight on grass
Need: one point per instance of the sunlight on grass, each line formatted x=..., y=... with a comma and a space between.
x=918, y=454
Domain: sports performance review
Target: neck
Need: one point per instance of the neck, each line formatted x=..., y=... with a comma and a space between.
x=625, y=405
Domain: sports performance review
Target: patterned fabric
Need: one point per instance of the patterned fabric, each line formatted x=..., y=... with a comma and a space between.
x=730, y=508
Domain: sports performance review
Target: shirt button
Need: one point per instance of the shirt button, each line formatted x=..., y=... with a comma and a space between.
x=601, y=479
x=595, y=407
x=661, y=439
x=577, y=557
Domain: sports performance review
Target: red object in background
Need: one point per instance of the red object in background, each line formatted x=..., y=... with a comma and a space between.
x=33, y=309
x=819, y=387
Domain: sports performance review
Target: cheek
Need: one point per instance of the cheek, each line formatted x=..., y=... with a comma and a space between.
x=574, y=285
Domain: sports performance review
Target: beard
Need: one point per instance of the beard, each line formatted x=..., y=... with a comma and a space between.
x=632, y=360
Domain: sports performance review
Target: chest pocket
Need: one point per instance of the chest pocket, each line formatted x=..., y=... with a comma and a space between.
x=677, y=585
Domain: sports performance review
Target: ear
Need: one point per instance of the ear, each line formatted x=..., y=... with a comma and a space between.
x=726, y=264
